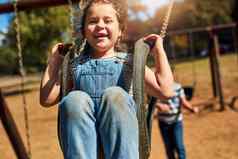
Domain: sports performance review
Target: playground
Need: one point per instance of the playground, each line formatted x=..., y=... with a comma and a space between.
x=210, y=134
x=204, y=59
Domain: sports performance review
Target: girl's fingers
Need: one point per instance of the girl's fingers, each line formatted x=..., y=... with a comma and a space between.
x=56, y=48
x=55, y=57
x=64, y=48
x=150, y=40
x=153, y=40
x=151, y=37
x=61, y=49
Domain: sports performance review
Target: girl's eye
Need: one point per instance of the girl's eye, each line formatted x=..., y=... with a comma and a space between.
x=108, y=21
x=92, y=21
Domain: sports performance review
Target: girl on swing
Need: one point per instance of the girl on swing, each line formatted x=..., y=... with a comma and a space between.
x=99, y=108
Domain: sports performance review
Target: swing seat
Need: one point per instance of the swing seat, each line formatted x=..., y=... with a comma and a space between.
x=144, y=116
x=189, y=91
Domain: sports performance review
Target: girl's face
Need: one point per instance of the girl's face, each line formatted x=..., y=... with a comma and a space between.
x=101, y=27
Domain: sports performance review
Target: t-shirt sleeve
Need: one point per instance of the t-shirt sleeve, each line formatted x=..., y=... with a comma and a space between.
x=181, y=91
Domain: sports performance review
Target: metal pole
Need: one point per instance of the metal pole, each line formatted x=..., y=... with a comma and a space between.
x=202, y=29
x=11, y=130
x=191, y=48
x=212, y=67
x=30, y=4
x=235, y=35
x=216, y=55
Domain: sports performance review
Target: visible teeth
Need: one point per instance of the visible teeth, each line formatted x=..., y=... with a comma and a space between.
x=101, y=36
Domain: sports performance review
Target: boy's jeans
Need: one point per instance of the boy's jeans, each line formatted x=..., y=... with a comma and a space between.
x=82, y=124
x=172, y=135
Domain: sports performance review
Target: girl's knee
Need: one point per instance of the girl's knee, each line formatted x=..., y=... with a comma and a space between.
x=77, y=96
x=118, y=101
x=115, y=94
x=76, y=103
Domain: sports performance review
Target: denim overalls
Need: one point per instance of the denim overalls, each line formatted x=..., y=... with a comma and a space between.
x=100, y=109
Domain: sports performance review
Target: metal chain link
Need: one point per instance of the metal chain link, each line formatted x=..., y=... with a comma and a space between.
x=76, y=21
x=71, y=12
x=23, y=75
x=166, y=19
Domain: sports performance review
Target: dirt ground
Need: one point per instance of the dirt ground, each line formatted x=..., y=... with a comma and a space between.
x=209, y=135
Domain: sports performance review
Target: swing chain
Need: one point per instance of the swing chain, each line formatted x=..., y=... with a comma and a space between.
x=166, y=20
x=23, y=75
x=76, y=14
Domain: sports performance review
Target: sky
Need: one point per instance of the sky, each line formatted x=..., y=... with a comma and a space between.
x=3, y=18
x=151, y=4
x=3, y=22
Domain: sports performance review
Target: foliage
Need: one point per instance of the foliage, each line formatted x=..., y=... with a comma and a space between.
x=210, y=12
x=192, y=14
x=39, y=30
x=42, y=28
x=7, y=60
x=196, y=13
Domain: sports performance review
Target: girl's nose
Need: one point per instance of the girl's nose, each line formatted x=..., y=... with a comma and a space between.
x=101, y=24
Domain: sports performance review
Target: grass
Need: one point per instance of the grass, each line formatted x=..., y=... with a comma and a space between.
x=199, y=71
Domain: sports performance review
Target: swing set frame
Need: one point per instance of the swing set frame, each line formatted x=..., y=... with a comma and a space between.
x=6, y=116
x=214, y=59
x=144, y=137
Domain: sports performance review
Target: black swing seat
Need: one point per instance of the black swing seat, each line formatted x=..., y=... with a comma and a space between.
x=189, y=91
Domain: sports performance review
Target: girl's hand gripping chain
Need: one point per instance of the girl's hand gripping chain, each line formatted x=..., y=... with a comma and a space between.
x=162, y=71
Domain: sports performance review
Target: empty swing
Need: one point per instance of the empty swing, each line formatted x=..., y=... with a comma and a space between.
x=190, y=89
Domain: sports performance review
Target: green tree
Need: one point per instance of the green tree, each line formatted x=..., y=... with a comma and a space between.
x=210, y=12
x=39, y=29
x=196, y=13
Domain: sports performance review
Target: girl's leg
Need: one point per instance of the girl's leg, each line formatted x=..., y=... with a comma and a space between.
x=166, y=131
x=118, y=125
x=77, y=130
x=178, y=134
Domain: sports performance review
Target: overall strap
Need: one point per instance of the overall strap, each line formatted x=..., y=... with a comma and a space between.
x=127, y=69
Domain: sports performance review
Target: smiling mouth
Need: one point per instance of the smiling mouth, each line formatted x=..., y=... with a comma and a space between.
x=101, y=36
